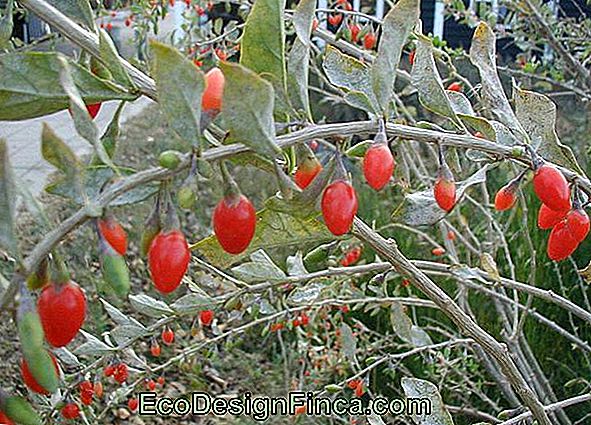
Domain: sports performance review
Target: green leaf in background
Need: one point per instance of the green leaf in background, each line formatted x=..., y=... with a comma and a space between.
x=352, y=76
x=180, y=87
x=262, y=47
x=112, y=60
x=110, y=138
x=425, y=78
x=349, y=342
x=149, y=306
x=78, y=10
x=248, y=110
x=273, y=230
x=85, y=125
x=483, y=57
x=8, y=240
x=30, y=86
x=421, y=389
x=421, y=209
x=397, y=26
x=537, y=114
x=405, y=329
x=58, y=154
x=260, y=269
x=299, y=57
x=93, y=179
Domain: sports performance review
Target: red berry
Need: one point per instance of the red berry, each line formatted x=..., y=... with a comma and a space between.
x=359, y=390
x=234, y=222
x=355, y=30
x=127, y=22
x=314, y=24
x=30, y=381
x=304, y=319
x=296, y=323
x=121, y=373
x=71, y=411
x=438, y=251
x=4, y=420
x=345, y=309
x=378, y=165
x=451, y=236
x=132, y=403
x=86, y=398
x=109, y=26
x=577, y=221
x=211, y=102
x=62, y=309
x=405, y=283
x=167, y=336
x=351, y=257
x=114, y=234
x=307, y=171
x=339, y=206
x=561, y=242
x=168, y=259
x=479, y=135
x=109, y=370
x=206, y=317
x=300, y=410
x=353, y=383
x=552, y=188
x=548, y=218
x=98, y=389
x=335, y=20
x=277, y=326
x=161, y=381
x=506, y=197
x=86, y=386
x=155, y=349
x=93, y=109
x=151, y=385
x=369, y=41
x=455, y=86
x=411, y=57
x=348, y=6
x=445, y=190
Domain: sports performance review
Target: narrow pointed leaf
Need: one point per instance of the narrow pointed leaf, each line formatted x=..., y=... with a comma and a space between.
x=85, y=125
x=110, y=138
x=425, y=78
x=8, y=239
x=248, y=110
x=397, y=26
x=262, y=48
x=180, y=87
x=483, y=57
x=112, y=60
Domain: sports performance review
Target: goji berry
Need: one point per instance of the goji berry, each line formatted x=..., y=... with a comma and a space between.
x=167, y=336
x=551, y=187
x=70, y=411
x=445, y=189
x=339, y=206
x=114, y=234
x=62, y=310
x=307, y=171
x=378, y=165
x=206, y=317
x=168, y=259
x=455, y=86
x=561, y=243
x=548, y=218
x=234, y=222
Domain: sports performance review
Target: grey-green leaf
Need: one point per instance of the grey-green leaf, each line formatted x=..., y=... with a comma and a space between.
x=248, y=110
x=262, y=47
x=78, y=10
x=180, y=87
x=537, y=114
x=149, y=306
x=259, y=269
x=85, y=125
x=192, y=303
x=396, y=27
x=425, y=78
x=55, y=151
x=8, y=240
x=349, y=342
x=30, y=86
x=112, y=60
x=420, y=389
x=352, y=76
x=483, y=57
